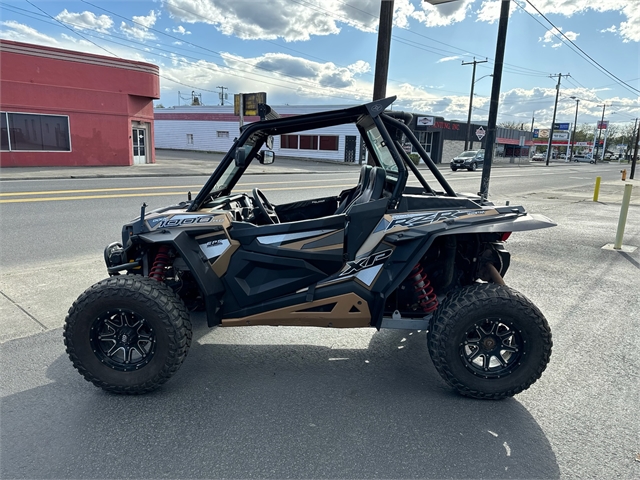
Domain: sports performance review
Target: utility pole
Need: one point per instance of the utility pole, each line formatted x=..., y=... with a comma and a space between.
x=495, y=99
x=597, y=145
x=473, y=82
x=221, y=94
x=533, y=119
x=555, y=109
x=575, y=124
x=635, y=153
x=384, y=46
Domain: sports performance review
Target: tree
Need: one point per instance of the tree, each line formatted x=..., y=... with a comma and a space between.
x=158, y=105
x=512, y=125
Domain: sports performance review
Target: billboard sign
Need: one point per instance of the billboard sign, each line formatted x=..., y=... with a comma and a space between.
x=561, y=135
x=561, y=126
x=603, y=125
x=250, y=103
x=536, y=133
x=425, y=121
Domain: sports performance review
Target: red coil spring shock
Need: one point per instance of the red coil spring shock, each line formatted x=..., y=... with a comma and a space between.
x=424, y=291
x=162, y=260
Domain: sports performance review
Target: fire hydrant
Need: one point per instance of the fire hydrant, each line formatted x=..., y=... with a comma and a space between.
x=624, y=174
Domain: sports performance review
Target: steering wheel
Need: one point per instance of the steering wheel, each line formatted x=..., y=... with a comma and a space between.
x=265, y=207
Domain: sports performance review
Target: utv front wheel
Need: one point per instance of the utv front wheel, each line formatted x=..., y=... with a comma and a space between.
x=489, y=341
x=127, y=334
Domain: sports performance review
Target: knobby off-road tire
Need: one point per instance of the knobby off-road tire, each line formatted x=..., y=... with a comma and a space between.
x=127, y=334
x=489, y=341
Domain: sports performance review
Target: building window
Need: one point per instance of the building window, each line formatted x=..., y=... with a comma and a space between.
x=308, y=142
x=426, y=140
x=329, y=142
x=189, y=138
x=33, y=132
x=289, y=141
x=222, y=134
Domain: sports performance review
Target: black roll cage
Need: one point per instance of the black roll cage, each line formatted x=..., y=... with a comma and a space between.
x=258, y=132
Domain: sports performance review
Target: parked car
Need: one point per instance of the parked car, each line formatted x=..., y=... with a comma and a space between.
x=583, y=158
x=469, y=160
x=539, y=157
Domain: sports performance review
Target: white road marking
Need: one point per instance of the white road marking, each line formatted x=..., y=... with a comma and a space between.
x=506, y=447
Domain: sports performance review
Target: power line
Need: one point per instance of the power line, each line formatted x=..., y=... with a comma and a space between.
x=620, y=82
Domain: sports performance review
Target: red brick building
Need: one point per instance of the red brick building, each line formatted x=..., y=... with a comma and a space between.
x=65, y=108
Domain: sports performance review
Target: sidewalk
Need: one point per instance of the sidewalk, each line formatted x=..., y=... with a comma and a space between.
x=181, y=163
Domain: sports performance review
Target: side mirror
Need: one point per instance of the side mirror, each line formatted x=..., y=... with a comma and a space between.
x=267, y=157
x=240, y=157
x=269, y=142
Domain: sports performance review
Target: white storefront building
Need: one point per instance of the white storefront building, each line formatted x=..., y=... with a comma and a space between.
x=214, y=128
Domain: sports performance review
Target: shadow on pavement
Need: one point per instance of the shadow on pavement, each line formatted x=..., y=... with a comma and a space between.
x=271, y=411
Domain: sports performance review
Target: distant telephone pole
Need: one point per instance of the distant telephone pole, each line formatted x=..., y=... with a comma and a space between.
x=597, y=145
x=221, y=94
x=473, y=82
x=555, y=109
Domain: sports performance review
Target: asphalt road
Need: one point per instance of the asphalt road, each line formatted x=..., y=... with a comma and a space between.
x=266, y=402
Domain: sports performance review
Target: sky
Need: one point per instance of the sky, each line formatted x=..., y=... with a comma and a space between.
x=323, y=52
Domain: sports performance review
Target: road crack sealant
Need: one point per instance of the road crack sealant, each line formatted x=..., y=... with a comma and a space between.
x=44, y=328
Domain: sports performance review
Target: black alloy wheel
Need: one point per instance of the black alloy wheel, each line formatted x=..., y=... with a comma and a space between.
x=128, y=334
x=122, y=340
x=489, y=341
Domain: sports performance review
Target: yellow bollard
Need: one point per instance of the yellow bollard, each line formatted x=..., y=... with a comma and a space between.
x=626, y=198
x=624, y=174
x=596, y=191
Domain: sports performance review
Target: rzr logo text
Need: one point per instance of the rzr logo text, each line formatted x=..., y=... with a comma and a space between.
x=425, y=219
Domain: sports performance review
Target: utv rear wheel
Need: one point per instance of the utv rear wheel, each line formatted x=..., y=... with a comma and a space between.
x=127, y=334
x=489, y=341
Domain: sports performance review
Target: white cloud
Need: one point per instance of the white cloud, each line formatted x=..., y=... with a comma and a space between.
x=443, y=15
x=611, y=29
x=291, y=21
x=181, y=30
x=448, y=59
x=629, y=30
x=554, y=35
x=86, y=20
x=23, y=33
x=139, y=30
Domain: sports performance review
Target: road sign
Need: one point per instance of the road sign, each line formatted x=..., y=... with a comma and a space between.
x=522, y=140
x=480, y=133
x=561, y=126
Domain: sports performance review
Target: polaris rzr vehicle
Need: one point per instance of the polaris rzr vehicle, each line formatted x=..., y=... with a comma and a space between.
x=393, y=251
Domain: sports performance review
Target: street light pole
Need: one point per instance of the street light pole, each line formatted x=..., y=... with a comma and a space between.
x=473, y=82
x=575, y=124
